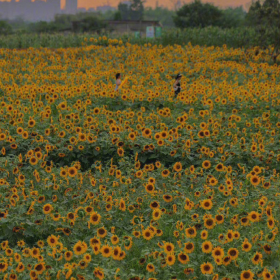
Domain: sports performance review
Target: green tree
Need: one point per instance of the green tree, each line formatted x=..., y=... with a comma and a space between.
x=124, y=11
x=164, y=15
x=132, y=11
x=90, y=23
x=5, y=28
x=265, y=19
x=136, y=9
x=197, y=14
x=118, y=16
x=232, y=17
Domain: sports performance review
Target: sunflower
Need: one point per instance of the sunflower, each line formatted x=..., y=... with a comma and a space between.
x=72, y=172
x=189, y=247
x=116, y=253
x=79, y=248
x=206, y=164
x=20, y=267
x=183, y=258
x=246, y=245
x=254, y=216
x=95, y=218
x=35, y=252
x=3, y=267
x=165, y=173
x=267, y=249
x=52, y=240
x=206, y=268
x=226, y=260
x=150, y=267
x=106, y=251
x=167, y=198
x=101, y=232
x=207, y=247
x=68, y=255
x=150, y=188
x=233, y=253
x=191, y=232
x=170, y=259
x=98, y=273
x=246, y=275
x=209, y=223
x=39, y=268
x=33, y=160
x=266, y=275
x=147, y=234
x=219, y=219
x=244, y=221
x=219, y=167
x=47, y=208
x=218, y=252
x=255, y=180
x=177, y=166
x=257, y=258
x=33, y=274
x=156, y=214
x=168, y=248
x=207, y=204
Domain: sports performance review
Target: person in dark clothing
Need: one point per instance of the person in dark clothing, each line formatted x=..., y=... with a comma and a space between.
x=118, y=81
x=177, y=85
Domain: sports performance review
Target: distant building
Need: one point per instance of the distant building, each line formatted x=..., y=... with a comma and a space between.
x=71, y=6
x=30, y=11
x=38, y=10
x=127, y=26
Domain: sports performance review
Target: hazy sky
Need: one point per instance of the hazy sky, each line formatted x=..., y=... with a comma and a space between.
x=152, y=3
x=167, y=3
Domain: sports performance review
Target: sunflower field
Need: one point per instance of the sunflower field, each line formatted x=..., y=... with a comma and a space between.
x=136, y=184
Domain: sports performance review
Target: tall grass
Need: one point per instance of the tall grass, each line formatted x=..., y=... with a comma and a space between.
x=211, y=36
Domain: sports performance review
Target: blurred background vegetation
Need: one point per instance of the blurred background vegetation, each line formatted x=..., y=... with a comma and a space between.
x=197, y=23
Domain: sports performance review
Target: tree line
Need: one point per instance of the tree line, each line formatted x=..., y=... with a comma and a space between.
x=263, y=16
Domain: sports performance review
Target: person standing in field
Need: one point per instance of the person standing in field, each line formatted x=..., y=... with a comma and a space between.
x=118, y=81
x=177, y=85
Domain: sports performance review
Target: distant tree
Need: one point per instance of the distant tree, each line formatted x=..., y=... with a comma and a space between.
x=136, y=9
x=43, y=27
x=118, y=15
x=232, y=17
x=164, y=15
x=132, y=11
x=265, y=19
x=5, y=28
x=124, y=11
x=197, y=14
x=91, y=23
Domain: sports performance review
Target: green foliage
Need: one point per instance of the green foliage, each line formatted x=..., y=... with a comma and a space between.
x=164, y=15
x=198, y=14
x=232, y=17
x=118, y=16
x=123, y=10
x=134, y=11
x=90, y=23
x=265, y=19
x=5, y=28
